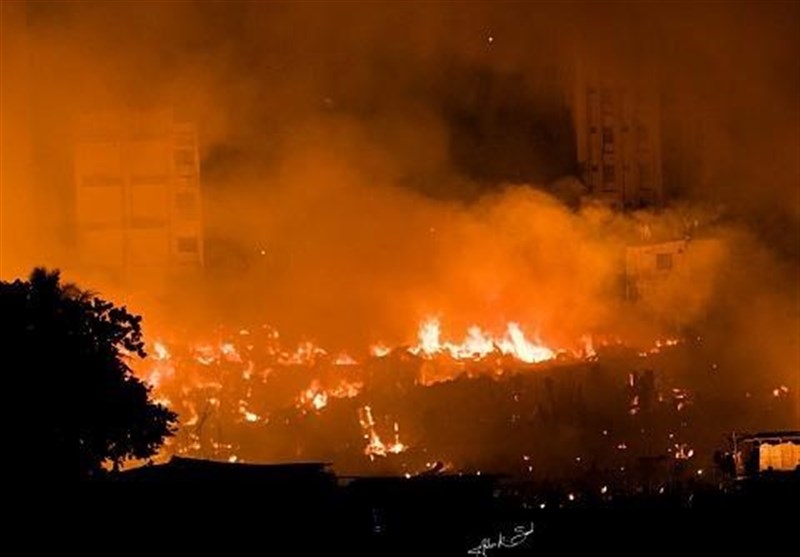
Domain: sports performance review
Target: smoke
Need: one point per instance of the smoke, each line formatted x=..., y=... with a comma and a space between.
x=367, y=165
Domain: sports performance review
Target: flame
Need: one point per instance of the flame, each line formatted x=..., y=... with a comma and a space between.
x=659, y=345
x=316, y=397
x=160, y=351
x=250, y=417
x=162, y=368
x=379, y=350
x=588, y=351
x=344, y=359
x=428, y=338
x=306, y=354
x=683, y=451
x=231, y=377
x=205, y=354
x=515, y=344
x=228, y=352
x=479, y=344
x=375, y=446
x=783, y=390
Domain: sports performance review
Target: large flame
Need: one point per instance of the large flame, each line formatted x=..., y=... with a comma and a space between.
x=478, y=344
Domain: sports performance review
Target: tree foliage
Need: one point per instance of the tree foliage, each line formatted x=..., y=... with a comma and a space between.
x=68, y=352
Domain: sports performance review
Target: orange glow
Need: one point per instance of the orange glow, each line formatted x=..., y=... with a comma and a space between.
x=344, y=359
x=478, y=344
x=379, y=350
x=316, y=397
x=375, y=446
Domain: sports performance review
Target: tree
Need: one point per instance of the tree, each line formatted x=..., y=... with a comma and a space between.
x=66, y=353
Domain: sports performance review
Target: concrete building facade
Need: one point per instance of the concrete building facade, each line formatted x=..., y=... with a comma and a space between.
x=618, y=138
x=138, y=203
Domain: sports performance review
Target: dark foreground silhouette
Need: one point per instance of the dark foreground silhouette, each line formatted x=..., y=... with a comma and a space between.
x=65, y=354
x=305, y=509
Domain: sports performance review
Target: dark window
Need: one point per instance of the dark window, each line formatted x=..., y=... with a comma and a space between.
x=663, y=261
x=644, y=175
x=187, y=244
x=609, y=174
x=608, y=135
x=593, y=129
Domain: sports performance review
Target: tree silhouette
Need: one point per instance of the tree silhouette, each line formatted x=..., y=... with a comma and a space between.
x=67, y=352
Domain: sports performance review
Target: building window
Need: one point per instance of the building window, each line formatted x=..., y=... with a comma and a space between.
x=663, y=261
x=184, y=157
x=185, y=201
x=187, y=244
x=609, y=174
x=142, y=222
x=608, y=135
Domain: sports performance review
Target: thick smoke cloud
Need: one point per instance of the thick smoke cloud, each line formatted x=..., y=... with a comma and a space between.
x=366, y=165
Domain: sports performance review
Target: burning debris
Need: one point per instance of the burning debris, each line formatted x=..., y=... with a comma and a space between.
x=247, y=396
x=478, y=344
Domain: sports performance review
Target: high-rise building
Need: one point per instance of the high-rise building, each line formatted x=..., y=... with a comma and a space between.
x=138, y=205
x=618, y=136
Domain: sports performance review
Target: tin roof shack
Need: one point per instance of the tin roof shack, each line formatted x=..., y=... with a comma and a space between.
x=761, y=473
x=771, y=452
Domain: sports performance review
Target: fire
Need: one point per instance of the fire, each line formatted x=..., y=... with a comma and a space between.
x=375, y=446
x=660, y=344
x=683, y=451
x=344, y=359
x=229, y=352
x=249, y=416
x=160, y=351
x=379, y=350
x=316, y=397
x=306, y=353
x=783, y=390
x=478, y=344
x=247, y=377
x=163, y=368
x=428, y=338
x=205, y=354
x=515, y=344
